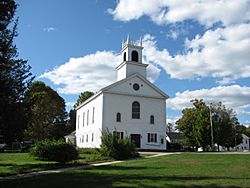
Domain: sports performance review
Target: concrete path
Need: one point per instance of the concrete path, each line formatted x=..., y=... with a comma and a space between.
x=46, y=172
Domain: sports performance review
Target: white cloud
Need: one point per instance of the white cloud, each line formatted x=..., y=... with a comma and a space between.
x=69, y=104
x=171, y=11
x=49, y=29
x=223, y=53
x=91, y=72
x=235, y=97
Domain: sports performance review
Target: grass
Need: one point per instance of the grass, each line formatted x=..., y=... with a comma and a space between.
x=183, y=170
x=16, y=163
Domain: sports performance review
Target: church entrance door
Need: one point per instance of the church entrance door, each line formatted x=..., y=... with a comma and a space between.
x=136, y=138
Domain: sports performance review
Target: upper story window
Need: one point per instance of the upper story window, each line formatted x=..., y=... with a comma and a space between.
x=118, y=117
x=83, y=118
x=135, y=110
x=135, y=56
x=93, y=116
x=152, y=119
x=88, y=117
x=124, y=56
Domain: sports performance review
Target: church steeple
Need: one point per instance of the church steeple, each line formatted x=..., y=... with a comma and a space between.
x=132, y=59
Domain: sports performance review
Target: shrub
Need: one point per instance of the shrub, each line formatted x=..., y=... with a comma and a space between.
x=88, y=150
x=58, y=151
x=117, y=148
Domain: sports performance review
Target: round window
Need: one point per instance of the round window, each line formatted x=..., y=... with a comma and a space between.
x=136, y=87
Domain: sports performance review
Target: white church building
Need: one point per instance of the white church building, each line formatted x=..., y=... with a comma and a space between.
x=132, y=106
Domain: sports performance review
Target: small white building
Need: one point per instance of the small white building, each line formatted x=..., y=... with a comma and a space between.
x=244, y=145
x=132, y=106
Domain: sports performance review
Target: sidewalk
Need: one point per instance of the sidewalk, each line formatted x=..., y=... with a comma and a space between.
x=46, y=172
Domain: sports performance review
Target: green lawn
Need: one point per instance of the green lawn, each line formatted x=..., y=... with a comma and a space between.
x=183, y=170
x=16, y=163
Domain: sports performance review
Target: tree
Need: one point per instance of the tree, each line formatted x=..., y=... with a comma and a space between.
x=170, y=127
x=71, y=121
x=194, y=123
x=83, y=97
x=46, y=111
x=72, y=113
x=227, y=131
x=15, y=75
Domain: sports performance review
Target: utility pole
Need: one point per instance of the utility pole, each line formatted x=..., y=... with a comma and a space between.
x=212, y=132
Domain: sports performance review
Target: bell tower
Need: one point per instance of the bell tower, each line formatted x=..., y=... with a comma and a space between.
x=132, y=60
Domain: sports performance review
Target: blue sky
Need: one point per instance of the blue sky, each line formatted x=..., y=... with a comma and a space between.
x=195, y=49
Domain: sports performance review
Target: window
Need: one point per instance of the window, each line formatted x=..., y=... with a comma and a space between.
x=152, y=137
x=124, y=56
x=119, y=134
x=118, y=117
x=162, y=141
x=88, y=117
x=136, y=87
x=83, y=118
x=82, y=138
x=92, y=137
x=86, y=137
x=78, y=121
x=93, y=115
x=152, y=119
x=135, y=56
x=135, y=110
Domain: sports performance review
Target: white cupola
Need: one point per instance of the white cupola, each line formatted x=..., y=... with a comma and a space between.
x=132, y=60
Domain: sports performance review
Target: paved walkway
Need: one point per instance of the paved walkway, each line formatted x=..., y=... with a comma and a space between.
x=46, y=172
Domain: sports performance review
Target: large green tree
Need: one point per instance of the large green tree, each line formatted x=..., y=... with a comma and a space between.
x=194, y=123
x=71, y=123
x=46, y=112
x=15, y=75
x=227, y=130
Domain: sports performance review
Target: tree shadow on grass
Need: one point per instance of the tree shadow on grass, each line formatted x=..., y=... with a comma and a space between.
x=26, y=168
x=119, y=176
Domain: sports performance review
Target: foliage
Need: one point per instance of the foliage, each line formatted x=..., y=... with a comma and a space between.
x=226, y=126
x=15, y=75
x=88, y=150
x=58, y=151
x=46, y=112
x=117, y=148
x=71, y=122
x=83, y=97
x=170, y=127
x=195, y=124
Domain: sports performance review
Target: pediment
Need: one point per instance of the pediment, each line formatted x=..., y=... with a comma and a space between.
x=135, y=85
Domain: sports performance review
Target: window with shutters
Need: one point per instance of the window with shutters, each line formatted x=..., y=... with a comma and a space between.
x=152, y=137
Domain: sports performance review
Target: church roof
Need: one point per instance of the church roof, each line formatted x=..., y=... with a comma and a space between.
x=105, y=89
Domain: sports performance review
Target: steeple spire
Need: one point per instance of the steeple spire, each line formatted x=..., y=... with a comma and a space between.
x=128, y=39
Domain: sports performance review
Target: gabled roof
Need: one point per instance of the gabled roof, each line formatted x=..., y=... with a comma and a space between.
x=105, y=89
x=164, y=95
x=175, y=135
